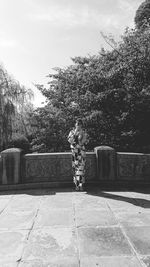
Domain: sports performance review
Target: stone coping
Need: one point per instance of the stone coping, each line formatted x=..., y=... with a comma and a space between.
x=54, y=153
x=133, y=153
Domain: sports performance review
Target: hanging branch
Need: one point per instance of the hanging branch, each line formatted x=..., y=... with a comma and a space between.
x=107, y=40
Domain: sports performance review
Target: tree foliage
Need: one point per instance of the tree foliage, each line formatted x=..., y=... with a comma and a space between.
x=110, y=91
x=14, y=100
x=142, y=17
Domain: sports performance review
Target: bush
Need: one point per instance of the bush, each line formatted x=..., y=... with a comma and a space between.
x=21, y=142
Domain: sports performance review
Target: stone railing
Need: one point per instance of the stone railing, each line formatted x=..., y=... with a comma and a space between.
x=104, y=167
x=54, y=167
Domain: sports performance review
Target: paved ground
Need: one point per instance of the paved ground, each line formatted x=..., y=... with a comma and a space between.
x=45, y=228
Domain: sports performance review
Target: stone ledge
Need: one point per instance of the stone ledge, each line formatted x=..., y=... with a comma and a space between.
x=103, y=185
x=109, y=169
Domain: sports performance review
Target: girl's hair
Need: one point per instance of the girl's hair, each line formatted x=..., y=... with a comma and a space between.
x=79, y=122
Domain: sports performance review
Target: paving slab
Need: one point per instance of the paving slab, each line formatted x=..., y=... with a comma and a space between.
x=103, y=241
x=19, y=203
x=17, y=220
x=140, y=238
x=94, y=217
x=34, y=192
x=121, y=205
x=6, y=195
x=139, y=218
x=57, y=202
x=9, y=264
x=3, y=203
x=141, y=195
x=128, y=194
x=85, y=201
x=146, y=261
x=55, y=262
x=11, y=245
x=109, y=262
x=55, y=217
x=45, y=243
x=138, y=199
x=116, y=195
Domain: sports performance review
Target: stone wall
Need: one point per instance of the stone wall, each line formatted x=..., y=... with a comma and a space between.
x=133, y=167
x=103, y=167
x=54, y=167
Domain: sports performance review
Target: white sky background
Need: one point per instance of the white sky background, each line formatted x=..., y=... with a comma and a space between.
x=38, y=35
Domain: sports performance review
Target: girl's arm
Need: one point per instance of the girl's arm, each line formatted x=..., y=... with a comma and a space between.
x=71, y=137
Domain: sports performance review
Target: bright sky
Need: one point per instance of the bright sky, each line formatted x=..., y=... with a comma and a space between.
x=37, y=35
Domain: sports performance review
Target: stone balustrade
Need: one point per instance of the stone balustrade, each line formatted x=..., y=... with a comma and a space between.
x=0, y=169
x=104, y=166
x=55, y=167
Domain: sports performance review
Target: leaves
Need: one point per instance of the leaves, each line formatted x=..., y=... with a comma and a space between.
x=110, y=91
x=142, y=17
x=14, y=108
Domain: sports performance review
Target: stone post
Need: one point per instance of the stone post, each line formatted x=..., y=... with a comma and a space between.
x=11, y=166
x=106, y=163
x=0, y=169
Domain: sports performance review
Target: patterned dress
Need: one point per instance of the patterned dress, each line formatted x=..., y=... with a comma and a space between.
x=77, y=144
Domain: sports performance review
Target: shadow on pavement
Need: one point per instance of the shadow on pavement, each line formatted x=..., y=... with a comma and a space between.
x=37, y=192
x=32, y=192
x=144, y=203
x=110, y=194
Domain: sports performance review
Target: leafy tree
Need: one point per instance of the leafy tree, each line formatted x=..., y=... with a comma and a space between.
x=109, y=91
x=13, y=100
x=50, y=127
x=142, y=17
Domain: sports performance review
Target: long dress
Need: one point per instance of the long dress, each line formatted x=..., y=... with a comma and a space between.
x=77, y=145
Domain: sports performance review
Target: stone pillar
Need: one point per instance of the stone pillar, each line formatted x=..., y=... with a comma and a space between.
x=0, y=169
x=11, y=166
x=106, y=163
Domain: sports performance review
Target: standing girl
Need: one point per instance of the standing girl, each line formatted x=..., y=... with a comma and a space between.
x=77, y=139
